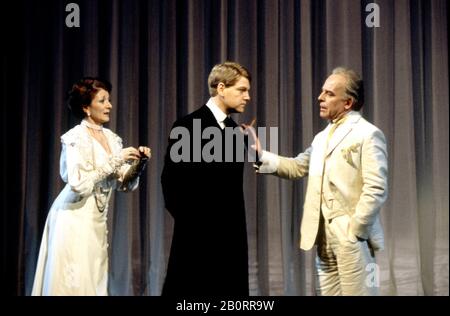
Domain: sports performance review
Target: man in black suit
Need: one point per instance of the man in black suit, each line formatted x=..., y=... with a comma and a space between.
x=203, y=191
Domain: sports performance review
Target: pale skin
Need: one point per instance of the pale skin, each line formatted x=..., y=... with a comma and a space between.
x=333, y=102
x=233, y=99
x=98, y=113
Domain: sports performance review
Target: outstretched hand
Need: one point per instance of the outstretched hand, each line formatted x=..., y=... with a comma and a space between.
x=250, y=130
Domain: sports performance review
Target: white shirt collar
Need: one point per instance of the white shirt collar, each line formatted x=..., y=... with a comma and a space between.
x=217, y=112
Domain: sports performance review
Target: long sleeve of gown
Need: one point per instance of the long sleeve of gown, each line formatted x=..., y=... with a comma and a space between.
x=77, y=164
x=128, y=177
x=78, y=170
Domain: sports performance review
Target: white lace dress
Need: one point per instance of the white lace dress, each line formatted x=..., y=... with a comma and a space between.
x=73, y=258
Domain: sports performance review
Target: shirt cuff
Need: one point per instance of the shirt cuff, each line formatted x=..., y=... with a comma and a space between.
x=268, y=163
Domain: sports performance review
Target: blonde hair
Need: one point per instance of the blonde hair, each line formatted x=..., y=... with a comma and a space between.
x=228, y=73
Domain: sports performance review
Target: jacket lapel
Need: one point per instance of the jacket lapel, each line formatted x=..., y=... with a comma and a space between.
x=208, y=118
x=341, y=132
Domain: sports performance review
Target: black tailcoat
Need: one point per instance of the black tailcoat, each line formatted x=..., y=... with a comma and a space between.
x=209, y=254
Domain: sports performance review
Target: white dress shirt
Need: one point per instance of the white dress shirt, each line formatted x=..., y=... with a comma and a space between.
x=217, y=112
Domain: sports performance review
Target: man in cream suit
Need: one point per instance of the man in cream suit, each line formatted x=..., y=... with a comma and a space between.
x=347, y=171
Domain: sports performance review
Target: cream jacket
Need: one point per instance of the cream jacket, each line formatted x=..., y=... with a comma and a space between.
x=354, y=170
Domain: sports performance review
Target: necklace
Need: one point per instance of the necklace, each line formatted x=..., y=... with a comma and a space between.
x=101, y=195
x=90, y=125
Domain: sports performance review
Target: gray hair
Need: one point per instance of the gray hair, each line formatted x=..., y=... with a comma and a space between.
x=354, y=87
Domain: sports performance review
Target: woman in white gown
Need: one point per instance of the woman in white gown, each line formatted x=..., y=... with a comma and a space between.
x=73, y=258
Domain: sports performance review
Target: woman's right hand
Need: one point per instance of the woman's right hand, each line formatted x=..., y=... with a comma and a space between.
x=129, y=153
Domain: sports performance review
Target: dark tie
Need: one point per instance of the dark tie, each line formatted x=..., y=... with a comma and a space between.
x=228, y=122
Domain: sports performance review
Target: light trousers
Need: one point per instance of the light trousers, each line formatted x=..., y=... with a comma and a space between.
x=344, y=264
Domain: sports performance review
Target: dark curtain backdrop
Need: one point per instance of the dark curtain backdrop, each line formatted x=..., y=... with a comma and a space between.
x=158, y=54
